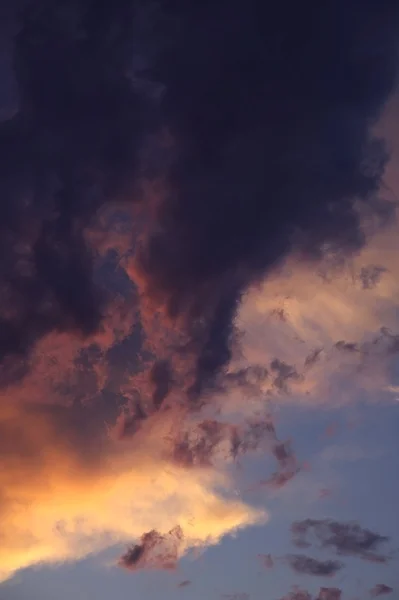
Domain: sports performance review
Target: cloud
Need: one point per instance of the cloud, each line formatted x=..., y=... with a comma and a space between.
x=346, y=539
x=272, y=175
x=159, y=223
x=325, y=593
x=381, y=589
x=329, y=594
x=154, y=551
x=298, y=595
x=311, y=566
x=64, y=495
x=336, y=338
x=71, y=146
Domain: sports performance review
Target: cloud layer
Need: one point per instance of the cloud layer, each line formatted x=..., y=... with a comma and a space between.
x=190, y=225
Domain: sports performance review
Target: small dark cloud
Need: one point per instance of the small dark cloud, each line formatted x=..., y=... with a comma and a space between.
x=313, y=357
x=197, y=447
x=380, y=590
x=155, y=551
x=184, y=583
x=160, y=378
x=298, y=594
x=347, y=346
x=283, y=374
x=250, y=378
x=280, y=314
x=311, y=566
x=287, y=462
x=329, y=593
x=252, y=435
x=370, y=276
x=325, y=593
x=347, y=539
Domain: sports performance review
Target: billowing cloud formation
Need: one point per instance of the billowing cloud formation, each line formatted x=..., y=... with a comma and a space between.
x=347, y=539
x=251, y=174
x=270, y=156
x=311, y=566
x=327, y=332
x=72, y=144
x=159, y=164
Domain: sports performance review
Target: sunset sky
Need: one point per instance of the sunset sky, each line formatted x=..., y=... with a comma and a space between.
x=199, y=314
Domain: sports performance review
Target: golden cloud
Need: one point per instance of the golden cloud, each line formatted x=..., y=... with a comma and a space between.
x=62, y=500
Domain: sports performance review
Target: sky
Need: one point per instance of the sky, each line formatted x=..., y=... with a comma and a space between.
x=199, y=326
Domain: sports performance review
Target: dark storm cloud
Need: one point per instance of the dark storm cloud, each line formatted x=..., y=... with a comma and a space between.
x=270, y=107
x=346, y=539
x=311, y=566
x=71, y=146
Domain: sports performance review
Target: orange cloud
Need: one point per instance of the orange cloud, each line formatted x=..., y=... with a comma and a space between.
x=63, y=496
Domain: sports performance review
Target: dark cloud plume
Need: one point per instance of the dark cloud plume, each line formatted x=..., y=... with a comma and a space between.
x=311, y=566
x=346, y=539
x=155, y=551
x=71, y=146
x=380, y=590
x=269, y=109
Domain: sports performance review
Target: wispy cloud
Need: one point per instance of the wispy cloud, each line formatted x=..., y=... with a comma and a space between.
x=308, y=565
x=346, y=539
